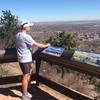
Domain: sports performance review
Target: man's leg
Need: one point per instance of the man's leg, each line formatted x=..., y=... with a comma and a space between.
x=25, y=83
x=25, y=87
x=27, y=70
x=29, y=79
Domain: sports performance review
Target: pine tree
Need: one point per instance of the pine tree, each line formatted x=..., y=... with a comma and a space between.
x=8, y=29
x=65, y=40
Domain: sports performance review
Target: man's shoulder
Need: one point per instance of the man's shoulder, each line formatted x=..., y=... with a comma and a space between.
x=22, y=34
x=18, y=33
x=27, y=36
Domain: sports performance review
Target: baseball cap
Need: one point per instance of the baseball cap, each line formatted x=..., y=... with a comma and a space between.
x=26, y=24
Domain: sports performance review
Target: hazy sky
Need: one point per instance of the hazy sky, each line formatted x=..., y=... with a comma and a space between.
x=52, y=10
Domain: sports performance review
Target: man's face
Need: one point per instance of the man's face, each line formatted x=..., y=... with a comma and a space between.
x=27, y=28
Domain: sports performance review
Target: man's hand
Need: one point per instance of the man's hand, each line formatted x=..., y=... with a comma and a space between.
x=48, y=44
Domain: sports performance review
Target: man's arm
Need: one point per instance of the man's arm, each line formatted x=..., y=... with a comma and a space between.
x=40, y=45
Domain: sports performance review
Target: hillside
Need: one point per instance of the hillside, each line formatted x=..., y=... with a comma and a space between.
x=87, y=32
x=68, y=26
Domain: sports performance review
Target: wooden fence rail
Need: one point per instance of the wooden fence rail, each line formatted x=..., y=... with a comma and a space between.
x=9, y=55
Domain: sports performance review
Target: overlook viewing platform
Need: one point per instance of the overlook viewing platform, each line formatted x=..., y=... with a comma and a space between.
x=43, y=87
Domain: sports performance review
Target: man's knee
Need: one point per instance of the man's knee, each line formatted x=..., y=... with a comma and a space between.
x=30, y=71
x=26, y=76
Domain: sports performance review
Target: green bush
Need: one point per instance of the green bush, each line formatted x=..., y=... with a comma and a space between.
x=65, y=40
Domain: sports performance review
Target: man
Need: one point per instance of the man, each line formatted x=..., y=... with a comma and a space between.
x=24, y=43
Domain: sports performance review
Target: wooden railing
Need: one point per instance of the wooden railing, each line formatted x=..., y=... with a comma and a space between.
x=9, y=55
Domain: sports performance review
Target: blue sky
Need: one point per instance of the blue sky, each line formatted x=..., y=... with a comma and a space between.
x=52, y=10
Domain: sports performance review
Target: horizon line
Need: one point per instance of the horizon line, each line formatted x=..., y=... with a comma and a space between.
x=68, y=20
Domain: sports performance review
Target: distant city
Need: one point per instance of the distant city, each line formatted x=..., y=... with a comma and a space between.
x=87, y=32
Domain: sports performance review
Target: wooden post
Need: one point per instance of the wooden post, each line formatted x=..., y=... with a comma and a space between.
x=38, y=63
